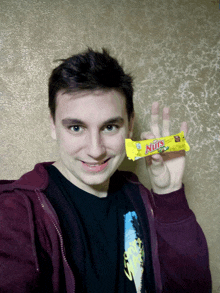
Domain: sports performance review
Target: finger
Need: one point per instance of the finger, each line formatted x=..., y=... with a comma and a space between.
x=160, y=176
x=184, y=127
x=147, y=135
x=166, y=121
x=154, y=119
x=156, y=158
x=157, y=166
x=154, y=161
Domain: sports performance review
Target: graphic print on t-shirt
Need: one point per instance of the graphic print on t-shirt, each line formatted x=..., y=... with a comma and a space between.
x=134, y=251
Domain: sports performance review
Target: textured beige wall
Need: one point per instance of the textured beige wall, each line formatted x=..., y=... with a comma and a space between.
x=170, y=46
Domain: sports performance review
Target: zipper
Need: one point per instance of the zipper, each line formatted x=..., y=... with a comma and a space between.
x=58, y=231
x=156, y=246
x=32, y=233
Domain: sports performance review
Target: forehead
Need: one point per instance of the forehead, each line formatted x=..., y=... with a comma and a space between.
x=91, y=103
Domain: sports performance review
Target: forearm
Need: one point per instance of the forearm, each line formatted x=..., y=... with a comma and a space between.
x=182, y=247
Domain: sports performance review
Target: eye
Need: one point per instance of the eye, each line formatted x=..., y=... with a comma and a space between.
x=111, y=128
x=75, y=128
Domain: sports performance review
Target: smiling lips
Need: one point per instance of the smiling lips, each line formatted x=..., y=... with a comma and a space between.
x=95, y=164
x=97, y=167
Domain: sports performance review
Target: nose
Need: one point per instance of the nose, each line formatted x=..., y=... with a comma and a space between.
x=95, y=146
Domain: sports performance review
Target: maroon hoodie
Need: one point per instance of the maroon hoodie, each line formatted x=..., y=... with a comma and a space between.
x=28, y=221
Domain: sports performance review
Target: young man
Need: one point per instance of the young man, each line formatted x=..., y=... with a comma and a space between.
x=78, y=224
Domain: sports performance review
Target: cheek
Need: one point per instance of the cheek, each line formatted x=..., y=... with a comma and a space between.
x=69, y=144
x=117, y=143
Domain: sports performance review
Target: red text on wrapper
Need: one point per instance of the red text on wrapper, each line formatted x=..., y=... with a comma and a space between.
x=154, y=146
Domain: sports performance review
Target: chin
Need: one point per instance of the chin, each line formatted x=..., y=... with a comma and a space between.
x=95, y=179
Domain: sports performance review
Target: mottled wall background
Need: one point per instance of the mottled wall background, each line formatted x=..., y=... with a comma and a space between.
x=170, y=46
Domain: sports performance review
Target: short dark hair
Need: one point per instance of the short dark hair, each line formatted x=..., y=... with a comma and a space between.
x=90, y=70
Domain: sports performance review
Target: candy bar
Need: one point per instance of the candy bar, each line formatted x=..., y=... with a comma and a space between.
x=139, y=149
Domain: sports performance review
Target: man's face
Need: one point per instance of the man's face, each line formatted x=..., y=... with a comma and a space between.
x=90, y=129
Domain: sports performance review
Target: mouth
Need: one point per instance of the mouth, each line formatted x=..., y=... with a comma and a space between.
x=95, y=167
x=96, y=164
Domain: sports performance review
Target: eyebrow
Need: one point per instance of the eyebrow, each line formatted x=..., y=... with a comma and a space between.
x=68, y=121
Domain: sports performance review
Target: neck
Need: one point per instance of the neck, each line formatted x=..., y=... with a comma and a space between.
x=100, y=190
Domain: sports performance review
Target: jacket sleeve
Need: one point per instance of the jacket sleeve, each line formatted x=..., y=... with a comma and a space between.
x=19, y=271
x=182, y=247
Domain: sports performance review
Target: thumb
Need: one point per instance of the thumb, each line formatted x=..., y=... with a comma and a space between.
x=159, y=173
x=156, y=160
x=157, y=165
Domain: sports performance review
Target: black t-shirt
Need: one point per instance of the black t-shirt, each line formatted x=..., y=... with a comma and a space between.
x=113, y=252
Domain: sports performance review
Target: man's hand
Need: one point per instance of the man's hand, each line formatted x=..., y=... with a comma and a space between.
x=166, y=170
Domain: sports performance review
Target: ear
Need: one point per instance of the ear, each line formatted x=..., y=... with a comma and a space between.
x=53, y=128
x=131, y=125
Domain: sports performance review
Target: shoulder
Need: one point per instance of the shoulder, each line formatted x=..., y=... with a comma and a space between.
x=18, y=198
x=35, y=179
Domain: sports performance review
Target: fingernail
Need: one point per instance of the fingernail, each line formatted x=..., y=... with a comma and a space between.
x=156, y=157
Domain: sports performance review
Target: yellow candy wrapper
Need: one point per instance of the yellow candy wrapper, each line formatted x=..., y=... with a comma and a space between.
x=139, y=149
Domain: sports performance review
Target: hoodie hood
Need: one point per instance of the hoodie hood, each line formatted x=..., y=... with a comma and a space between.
x=36, y=179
